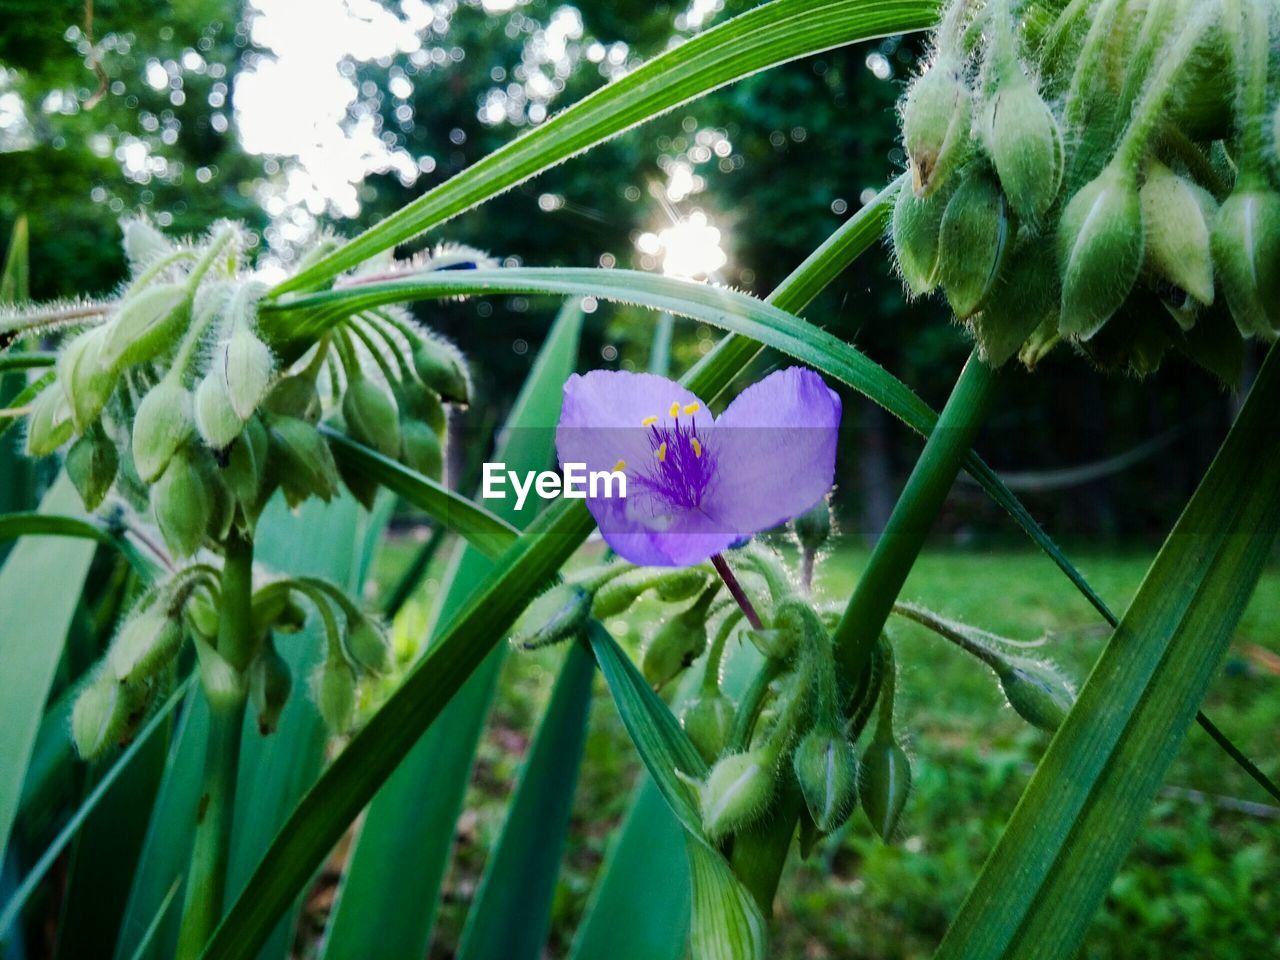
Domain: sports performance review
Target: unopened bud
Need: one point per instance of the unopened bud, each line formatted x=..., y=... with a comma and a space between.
x=270, y=683
x=300, y=460
x=1177, y=214
x=813, y=527
x=1246, y=250
x=1037, y=692
x=97, y=718
x=795, y=626
x=368, y=646
x=679, y=584
x=885, y=784
x=936, y=119
x=247, y=369
x=708, y=720
x=202, y=613
x=335, y=694
x=294, y=396
x=558, y=615
x=371, y=416
x=163, y=423
x=215, y=417
x=49, y=425
x=977, y=236
x=1025, y=145
x=1100, y=249
x=87, y=381
x=677, y=643
x=247, y=465
x=1026, y=296
x=420, y=449
x=146, y=325
x=145, y=644
x=223, y=685
x=917, y=242
x=419, y=402
x=827, y=770
x=183, y=503
x=143, y=243
x=442, y=367
x=91, y=464
x=736, y=792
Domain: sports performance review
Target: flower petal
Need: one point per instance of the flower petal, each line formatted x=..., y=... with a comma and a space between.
x=673, y=538
x=775, y=446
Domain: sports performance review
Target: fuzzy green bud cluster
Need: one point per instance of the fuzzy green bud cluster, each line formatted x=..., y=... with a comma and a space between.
x=1060, y=193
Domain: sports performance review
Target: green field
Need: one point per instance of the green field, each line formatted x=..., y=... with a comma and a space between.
x=1199, y=883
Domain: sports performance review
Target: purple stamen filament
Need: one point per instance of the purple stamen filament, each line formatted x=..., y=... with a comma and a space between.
x=682, y=466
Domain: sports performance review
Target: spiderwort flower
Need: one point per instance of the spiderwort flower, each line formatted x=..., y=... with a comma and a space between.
x=698, y=483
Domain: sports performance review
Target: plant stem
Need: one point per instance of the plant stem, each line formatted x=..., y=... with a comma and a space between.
x=736, y=591
x=206, y=880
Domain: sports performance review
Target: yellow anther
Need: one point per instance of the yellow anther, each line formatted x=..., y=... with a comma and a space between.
x=675, y=410
x=648, y=421
x=661, y=453
x=620, y=466
x=692, y=407
x=697, y=447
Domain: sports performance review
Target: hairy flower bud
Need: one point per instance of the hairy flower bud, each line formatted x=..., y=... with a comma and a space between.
x=1026, y=295
x=49, y=425
x=300, y=460
x=86, y=380
x=163, y=423
x=246, y=366
x=145, y=644
x=419, y=402
x=1177, y=214
x=202, y=613
x=1025, y=145
x=270, y=683
x=91, y=464
x=677, y=643
x=443, y=369
x=183, y=503
x=708, y=720
x=368, y=647
x=681, y=583
x=223, y=685
x=145, y=325
x=736, y=792
x=558, y=615
x=885, y=784
x=795, y=626
x=335, y=694
x=1246, y=250
x=143, y=243
x=827, y=770
x=977, y=236
x=371, y=416
x=936, y=119
x=1036, y=691
x=917, y=243
x=420, y=449
x=98, y=717
x=1100, y=250
x=813, y=527
x=294, y=396
x=246, y=468
x=216, y=419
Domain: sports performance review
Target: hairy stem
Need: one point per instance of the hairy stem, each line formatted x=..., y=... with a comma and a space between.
x=735, y=589
x=206, y=881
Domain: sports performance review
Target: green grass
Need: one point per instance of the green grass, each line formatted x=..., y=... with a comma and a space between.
x=1197, y=884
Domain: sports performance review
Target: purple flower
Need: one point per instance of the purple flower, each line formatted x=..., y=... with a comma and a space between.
x=697, y=483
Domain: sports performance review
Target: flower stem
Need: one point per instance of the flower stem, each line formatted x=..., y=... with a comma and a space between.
x=206, y=880
x=736, y=591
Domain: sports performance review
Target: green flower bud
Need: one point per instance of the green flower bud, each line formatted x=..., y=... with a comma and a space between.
x=294, y=396
x=91, y=464
x=620, y=592
x=736, y=792
x=143, y=243
x=1246, y=250
x=1026, y=295
x=265, y=606
x=247, y=367
x=917, y=241
x=144, y=645
x=163, y=423
x=977, y=236
x=418, y=402
x=98, y=718
x=1037, y=692
x=885, y=784
x=1177, y=213
x=708, y=720
x=420, y=449
x=292, y=618
x=368, y=646
x=441, y=366
x=270, y=684
x=795, y=626
x=202, y=613
x=813, y=527
x=335, y=694
x=223, y=685
x=300, y=460
x=1025, y=145
x=827, y=770
x=371, y=416
x=555, y=616
x=247, y=466
x=86, y=380
x=215, y=417
x=146, y=325
x=49, y=425
x=682, y=583
x=1100, y=250
x=183, y=503
x=677, y=643
x=936, y=119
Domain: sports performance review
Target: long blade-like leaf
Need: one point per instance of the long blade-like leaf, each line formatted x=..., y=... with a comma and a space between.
x=1084, y=806
x=758, y=39
x=40, y=584
x=16, y=279
x=14, y=525
x=486, y=532
x=418, y=807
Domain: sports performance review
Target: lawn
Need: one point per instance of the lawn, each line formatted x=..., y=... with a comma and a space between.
x=1200, y=882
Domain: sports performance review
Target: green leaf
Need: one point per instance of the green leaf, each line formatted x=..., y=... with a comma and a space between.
x=770, y=34
x=418, y=807
x=154, y=927
x=15, y=282
x=40, y=584
x=727, y=922
x=512, y=911
x=1090, y=794
x=14, y=525
x=487, y=533
x=10, y=362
